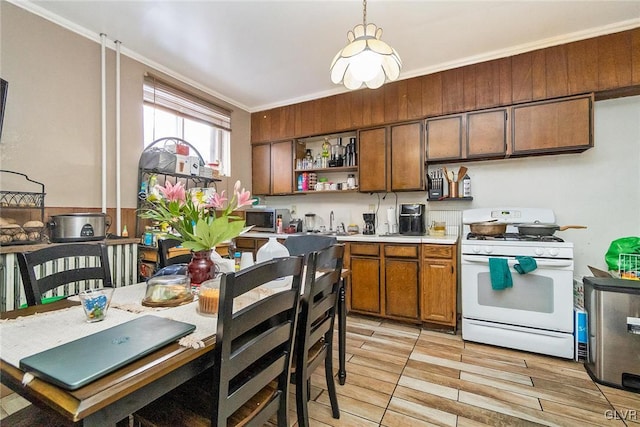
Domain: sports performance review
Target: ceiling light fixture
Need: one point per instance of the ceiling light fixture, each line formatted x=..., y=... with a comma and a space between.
x=366, y=59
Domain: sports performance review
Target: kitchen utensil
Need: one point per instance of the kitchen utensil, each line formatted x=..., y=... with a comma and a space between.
x=462, y=172
x=543, y=229
x=488, y=228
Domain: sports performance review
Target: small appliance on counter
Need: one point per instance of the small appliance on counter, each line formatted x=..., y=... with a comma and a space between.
x=369, y=223
x=266, y=219
x=310, y=222
x=79, y=227
x=295, y=225
x=412, y=219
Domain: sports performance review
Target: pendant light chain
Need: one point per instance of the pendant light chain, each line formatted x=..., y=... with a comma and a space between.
x=364, y=13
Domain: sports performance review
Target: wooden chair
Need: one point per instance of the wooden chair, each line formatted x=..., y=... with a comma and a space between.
x=305, y=244
x=35, y=285
x=163, y=253
x=314, y=336
x=249, y=381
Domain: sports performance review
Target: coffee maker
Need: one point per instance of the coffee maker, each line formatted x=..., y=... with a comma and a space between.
x=412, y=220
x=369, y=223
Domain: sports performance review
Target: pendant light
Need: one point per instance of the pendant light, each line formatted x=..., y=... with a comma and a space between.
x=366, y=60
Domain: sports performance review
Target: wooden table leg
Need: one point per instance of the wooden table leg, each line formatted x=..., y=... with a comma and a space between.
x=342, y=334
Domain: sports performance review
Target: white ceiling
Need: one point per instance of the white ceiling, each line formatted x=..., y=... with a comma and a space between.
x=261, y=54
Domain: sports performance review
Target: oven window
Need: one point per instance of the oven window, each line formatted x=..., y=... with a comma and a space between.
x=529, y=293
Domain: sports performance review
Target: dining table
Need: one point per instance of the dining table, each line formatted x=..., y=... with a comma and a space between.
x=109, y=400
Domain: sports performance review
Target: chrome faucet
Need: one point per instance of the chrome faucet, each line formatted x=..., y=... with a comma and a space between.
x=331, y=218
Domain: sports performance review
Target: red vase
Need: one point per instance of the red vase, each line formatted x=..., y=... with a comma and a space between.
x=201, y=268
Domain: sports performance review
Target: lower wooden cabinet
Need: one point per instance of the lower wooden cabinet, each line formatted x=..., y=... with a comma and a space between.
x=401, y=281
x=364, y=289
x=410, y=282
x=439, y=284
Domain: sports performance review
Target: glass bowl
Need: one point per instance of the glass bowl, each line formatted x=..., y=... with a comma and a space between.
x=95, y=303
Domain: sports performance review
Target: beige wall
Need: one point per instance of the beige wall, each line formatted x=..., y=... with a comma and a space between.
x=52, y=127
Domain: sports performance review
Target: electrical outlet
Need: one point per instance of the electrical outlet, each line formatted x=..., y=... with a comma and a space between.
x=372, y=208
x=293, y=209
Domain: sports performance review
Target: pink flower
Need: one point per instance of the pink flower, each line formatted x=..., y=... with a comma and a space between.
x=173, y=192
x=217, y=201
x=244, y=198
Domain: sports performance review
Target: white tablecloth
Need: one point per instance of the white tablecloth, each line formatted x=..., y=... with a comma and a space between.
x=28, y=335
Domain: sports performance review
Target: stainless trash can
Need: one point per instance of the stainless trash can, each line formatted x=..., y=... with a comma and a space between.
x=613, y=310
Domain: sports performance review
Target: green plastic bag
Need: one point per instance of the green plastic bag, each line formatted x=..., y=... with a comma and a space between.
x=624, y=245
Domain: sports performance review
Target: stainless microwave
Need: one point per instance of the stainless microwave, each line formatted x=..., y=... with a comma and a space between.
x=265, y=219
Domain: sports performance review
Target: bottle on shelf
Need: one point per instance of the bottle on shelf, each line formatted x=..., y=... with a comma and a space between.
x=466, y=186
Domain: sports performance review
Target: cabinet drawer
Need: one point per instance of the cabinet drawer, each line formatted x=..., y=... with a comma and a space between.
x=367, y=249
x=401, y=251
x=245, y=243
x=437, y=251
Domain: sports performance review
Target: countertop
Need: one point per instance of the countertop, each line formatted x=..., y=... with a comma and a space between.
x=375, y=238
x=12, y=249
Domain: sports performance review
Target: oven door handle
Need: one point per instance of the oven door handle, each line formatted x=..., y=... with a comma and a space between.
x=542, y=262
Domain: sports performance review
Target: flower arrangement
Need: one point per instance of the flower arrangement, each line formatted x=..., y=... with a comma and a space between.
x=198, y=221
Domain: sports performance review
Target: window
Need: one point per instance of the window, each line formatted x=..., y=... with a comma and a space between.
x=171, y=112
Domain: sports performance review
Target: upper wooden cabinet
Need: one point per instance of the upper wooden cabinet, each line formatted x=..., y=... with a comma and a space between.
x=406, y=158
x=272, y=168
x=391, y=159
x=372, y=152
x=444, y=138
x=261, y=169
x=476, y=135
x=487, y=133
x=564, y=125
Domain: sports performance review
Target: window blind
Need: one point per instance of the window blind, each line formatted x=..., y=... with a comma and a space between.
x=163, y=95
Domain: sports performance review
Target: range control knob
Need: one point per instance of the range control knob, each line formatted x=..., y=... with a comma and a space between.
x=476, y=249
x=553, y=252
x=488, y=249
x=539, y=251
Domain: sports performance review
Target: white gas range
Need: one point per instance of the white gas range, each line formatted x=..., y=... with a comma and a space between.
x=535, y=313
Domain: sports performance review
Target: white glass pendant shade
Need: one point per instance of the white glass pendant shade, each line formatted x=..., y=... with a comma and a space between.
x=365, y=60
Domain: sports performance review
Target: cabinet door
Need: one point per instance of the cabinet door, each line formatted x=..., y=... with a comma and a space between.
x=282, y=167
x=553, y=126
x=439, y=291
x=402, y=280
x=487, y=134
x=261, y=169
x=444, y=138
x=407, y=162
x=365, y=285
x=372, y=160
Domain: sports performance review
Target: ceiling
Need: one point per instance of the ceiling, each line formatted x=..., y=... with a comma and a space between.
x=261, y=54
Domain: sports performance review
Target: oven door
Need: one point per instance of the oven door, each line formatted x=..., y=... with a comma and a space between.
x=540, y=299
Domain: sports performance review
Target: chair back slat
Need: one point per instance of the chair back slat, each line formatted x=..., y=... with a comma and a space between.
x=35, y=286
x=163, y=253
x=254, y=344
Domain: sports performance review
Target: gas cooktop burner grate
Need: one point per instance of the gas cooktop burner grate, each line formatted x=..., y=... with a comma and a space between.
x=514, y=236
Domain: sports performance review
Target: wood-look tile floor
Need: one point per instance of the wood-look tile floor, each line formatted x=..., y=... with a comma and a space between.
x=402, y=375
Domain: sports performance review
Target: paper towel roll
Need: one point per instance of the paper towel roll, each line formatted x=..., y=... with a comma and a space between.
x=392, y=219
